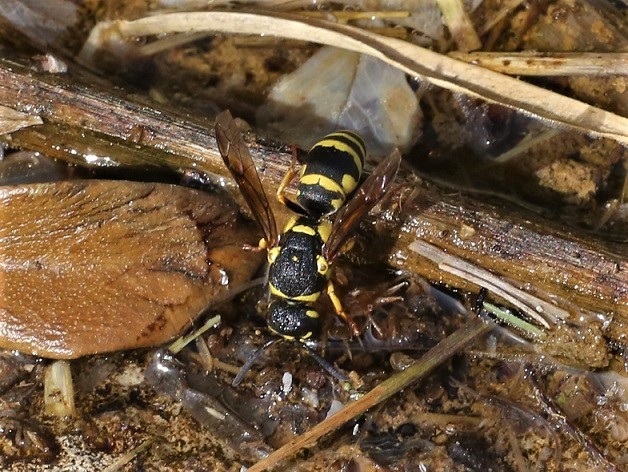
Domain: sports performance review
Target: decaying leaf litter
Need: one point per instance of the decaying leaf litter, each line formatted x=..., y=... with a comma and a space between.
x=451, y=400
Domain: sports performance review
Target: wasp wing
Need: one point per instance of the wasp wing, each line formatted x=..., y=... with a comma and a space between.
x=367, y=196
x=237, y=157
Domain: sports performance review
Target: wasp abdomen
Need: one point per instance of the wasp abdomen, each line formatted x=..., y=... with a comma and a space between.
x=331, y=171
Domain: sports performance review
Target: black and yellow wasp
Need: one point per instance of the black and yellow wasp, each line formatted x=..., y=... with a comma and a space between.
x=300, y=258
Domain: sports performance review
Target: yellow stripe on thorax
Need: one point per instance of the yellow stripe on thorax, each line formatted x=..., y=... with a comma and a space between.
x=323, y=229
x=312, y=297
x=304, y=229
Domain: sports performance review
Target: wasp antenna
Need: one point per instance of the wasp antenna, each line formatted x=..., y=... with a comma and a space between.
x=249, y=363
x=331, y=370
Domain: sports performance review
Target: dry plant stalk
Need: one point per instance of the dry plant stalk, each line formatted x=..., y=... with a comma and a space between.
x=539, y=258
x=438, y=69
x=549, y=64
x=59, y=390
x=459, y=24
x=345, y=16
x=536, y=308
x=506, y=8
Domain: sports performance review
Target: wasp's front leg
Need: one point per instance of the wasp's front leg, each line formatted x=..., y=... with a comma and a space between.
x=287, y=179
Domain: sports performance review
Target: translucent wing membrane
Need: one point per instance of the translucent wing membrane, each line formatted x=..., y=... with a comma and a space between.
x=238, y=160
x=367, y=196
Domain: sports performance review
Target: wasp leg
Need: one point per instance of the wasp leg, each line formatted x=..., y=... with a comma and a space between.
x=287, y=179
x=331, y=293
x=261, y=246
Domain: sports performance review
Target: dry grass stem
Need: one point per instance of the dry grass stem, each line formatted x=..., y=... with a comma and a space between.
x=549, y=64
x=532, y=306
x=59, y=390
x=438, y=69
x=526, y=144
x=345, y=16
x=169, y=42
x=506, y=9
x=183, y=341
x=459, y=24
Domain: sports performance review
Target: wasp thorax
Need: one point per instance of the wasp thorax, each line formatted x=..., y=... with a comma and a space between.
x=295, y=264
